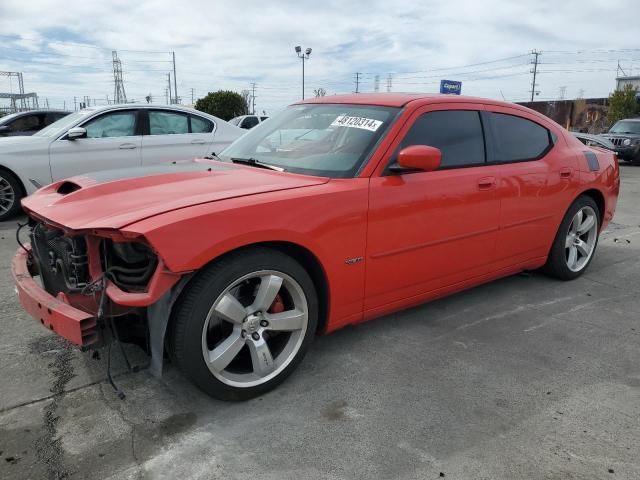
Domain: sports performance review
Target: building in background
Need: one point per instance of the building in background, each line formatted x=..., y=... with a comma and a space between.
x=622, y=82
x=588, y=115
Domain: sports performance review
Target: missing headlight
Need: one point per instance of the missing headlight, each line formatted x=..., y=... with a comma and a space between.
x=129, y=265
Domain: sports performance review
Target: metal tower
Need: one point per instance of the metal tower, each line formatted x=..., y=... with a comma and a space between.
x=19, y=101
x=118, y=85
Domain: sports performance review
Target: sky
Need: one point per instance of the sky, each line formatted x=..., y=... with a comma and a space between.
x=64, y=49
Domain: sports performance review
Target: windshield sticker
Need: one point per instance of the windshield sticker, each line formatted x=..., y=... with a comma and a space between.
x=357, y=122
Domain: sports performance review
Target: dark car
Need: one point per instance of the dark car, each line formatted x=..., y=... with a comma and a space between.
x=625, y=135
x=28, y=123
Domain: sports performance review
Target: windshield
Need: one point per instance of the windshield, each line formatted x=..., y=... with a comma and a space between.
x=62, y=125
x=321, y=139
x=626, y=126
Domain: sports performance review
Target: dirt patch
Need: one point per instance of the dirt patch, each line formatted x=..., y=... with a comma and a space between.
x=48, y=446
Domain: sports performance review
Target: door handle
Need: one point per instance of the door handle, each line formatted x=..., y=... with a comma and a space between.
x=127, y=146
x=487, y=183
x=198, y=142
x=566, y=172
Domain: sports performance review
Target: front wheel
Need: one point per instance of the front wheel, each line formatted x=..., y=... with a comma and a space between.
x=576, y=240
x=10, y=195
x=244, y=323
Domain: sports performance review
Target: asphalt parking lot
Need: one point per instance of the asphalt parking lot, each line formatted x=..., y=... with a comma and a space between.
x=526, y=377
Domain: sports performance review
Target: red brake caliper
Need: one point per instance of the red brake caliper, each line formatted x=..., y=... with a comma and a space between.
x=277, y=306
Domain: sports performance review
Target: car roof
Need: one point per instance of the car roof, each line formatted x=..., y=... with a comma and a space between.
x=118, y=106
x=402, y=99
x=629, y=120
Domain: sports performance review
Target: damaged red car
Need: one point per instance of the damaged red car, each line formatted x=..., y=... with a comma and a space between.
x=336, y=211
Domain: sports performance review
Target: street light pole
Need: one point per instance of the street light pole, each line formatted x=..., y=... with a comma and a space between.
x=303, y=56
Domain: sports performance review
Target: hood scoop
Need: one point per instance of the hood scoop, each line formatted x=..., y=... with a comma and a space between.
x=68, y=187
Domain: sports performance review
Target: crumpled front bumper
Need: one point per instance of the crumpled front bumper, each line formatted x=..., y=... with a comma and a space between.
x=75, y=325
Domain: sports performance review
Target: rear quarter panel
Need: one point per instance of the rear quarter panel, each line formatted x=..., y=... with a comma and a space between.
x=599, y=170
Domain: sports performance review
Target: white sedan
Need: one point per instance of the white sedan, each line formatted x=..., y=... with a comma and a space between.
x=105, y=138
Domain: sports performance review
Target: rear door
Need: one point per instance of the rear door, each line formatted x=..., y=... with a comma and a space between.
x=537, y=174
x=428, y=230
x=113, y=141
x=173, y=135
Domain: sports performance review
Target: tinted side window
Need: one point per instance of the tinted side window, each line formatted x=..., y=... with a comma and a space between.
x=200, y=125
x=116, y=124
x=457, y=133
x=167, y=123
x=27, y=123
x=249, y=122
x=54, y=117
x=517, y=139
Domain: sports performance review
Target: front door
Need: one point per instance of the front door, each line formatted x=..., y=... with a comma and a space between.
x=428, y=230
x=111, y=142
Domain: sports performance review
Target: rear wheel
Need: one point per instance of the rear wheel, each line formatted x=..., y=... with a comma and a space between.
x=10, y=195
x=576, y=240
x=244, y=323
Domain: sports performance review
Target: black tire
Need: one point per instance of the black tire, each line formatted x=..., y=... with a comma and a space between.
x=191, y=310
x=9, y=180
x=556, y=265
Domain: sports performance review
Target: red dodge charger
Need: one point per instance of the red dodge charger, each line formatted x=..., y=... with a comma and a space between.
x=338, y=210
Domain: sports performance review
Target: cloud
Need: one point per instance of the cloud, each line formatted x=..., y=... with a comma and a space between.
x=66, y=52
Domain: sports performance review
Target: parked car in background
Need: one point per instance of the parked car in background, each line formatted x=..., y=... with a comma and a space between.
x=625, y=135
x=376, y=203
x=247, y=121
x=108, y=137
x=595, y=141
x=28, y=123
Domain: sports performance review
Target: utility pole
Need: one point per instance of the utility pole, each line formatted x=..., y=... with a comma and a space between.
x=118, y=84
x=358, y=82
x=192, y=90
x=169, y=83
x=166, y=96
x=389, y=82
x=563, y=91
x=536, y=54
x=376, y=83
x=64, y=104
x=175, y=79
x=75, y=108
x=253, y=98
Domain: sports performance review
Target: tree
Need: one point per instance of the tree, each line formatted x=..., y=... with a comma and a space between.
x=246, y=97
x=623, y=104
x=223, y=104
x=319, y=92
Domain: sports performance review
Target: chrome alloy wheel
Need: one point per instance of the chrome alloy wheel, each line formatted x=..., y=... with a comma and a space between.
x=255, y=328
x=7, y=195
x=581, y=238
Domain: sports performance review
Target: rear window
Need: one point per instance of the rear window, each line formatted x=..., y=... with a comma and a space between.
x=517, y=139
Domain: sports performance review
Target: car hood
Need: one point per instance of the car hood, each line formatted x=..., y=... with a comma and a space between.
x=116, y=198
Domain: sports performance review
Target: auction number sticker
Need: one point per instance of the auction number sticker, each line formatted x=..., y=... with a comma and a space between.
x=357, y=122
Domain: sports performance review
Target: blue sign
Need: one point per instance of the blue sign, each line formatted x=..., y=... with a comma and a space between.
x=451, y=87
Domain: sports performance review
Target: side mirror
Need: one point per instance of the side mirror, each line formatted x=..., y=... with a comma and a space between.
x=420, y=157
x=4, y=129
x=76, y=132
